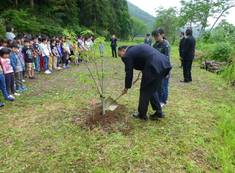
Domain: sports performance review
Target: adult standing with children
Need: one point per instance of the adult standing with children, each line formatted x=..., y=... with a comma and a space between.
x=188, y=55
x=114, y=46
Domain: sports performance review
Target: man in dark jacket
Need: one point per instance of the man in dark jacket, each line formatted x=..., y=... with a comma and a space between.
x=154, y=67
x=114, y=46
x=188, y=55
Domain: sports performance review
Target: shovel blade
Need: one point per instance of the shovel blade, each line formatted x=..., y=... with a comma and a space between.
x=110, y=104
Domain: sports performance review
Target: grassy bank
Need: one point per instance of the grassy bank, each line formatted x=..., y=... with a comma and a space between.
x=37, y=133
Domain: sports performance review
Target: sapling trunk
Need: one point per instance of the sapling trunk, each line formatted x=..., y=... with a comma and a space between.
x=102, y=86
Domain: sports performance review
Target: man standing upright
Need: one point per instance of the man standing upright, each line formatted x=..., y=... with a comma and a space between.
x=114, y=46
x=188, y=55
x=154, y=67
x=148, y=40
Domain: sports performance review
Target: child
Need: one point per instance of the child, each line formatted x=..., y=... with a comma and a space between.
x=36, y=54
x=3, y=87
x=8, y=71
x=162, y=46
x=60, y=51
x=66, y=53
x=45, y=55
x=50, y=55
x=28, y=56
x=18, y=67
x=55, y=54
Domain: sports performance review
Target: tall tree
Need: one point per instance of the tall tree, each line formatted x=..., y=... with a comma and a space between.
x=199, y=11
x=137, y=27
x=168, y=20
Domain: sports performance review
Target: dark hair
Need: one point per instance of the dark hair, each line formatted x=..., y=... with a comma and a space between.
x=122, y=47
x=155, y=33
x=4, y=51
x=14, y=45
x=44, y=39
x=182, y=33
x=8, y=28
x=26, y=40
x=147, y=35
x=189, y=32
x=161, y=31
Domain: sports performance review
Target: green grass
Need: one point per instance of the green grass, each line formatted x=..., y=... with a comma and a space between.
x=197, y=135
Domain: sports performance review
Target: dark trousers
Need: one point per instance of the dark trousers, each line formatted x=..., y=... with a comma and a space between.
x=150, y=93
x=114, y=51
x=187, y=67
x=3, y=87
x=10, y=83
x=65, y=59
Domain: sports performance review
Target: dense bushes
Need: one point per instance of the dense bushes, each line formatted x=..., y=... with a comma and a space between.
x=219, y=52
x=229, y=73
x=23, y=21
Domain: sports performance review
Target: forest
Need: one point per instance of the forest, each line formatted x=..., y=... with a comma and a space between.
x=50, y=17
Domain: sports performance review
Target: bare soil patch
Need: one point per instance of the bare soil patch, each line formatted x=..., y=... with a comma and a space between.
x=112, y=121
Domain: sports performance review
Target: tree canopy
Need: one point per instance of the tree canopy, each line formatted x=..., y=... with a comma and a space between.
x=104, y=17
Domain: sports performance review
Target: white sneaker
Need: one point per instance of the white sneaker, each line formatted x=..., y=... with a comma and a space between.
x=16, y=94
x=23, y=80
x=47, y=72
x=11, y=96
x=162, y=105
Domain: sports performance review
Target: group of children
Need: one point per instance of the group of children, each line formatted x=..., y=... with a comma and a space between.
x=21, y=57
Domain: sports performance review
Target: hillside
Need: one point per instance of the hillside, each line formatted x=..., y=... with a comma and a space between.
x=135, y=11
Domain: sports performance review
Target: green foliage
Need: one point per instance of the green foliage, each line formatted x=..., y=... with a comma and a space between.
x=138, y=27
x=199, y=11
x=168, y=20
x=105, y=17
x=229, y=74
x=224, y=32
x=220, y=52
x=21, y=20
x=143, y=16
x=52, y=16
x=2, y=29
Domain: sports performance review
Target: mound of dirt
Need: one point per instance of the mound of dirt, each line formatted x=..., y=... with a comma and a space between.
x=112, y=121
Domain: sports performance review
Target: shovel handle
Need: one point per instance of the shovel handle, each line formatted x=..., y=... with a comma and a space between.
x=136, y=80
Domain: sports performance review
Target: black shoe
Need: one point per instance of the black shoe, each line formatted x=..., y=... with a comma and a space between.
x=138, y=116
x=185, y=81
x=156, y=116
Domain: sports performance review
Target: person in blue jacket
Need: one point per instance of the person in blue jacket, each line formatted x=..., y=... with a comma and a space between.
x=154, y=67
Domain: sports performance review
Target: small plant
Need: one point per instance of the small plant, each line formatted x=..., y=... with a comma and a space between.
x=93, y=61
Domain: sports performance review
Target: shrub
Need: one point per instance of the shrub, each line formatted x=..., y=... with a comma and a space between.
x=219, y=52
x=2, y=29
x=229, y=73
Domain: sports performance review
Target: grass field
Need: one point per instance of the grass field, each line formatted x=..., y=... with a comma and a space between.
x=37, y=133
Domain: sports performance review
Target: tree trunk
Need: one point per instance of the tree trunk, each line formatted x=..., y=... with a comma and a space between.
x=221, y=14
x=16, y=3
x=32, y=3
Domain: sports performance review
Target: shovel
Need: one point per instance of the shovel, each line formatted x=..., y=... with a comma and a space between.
x=111, y=104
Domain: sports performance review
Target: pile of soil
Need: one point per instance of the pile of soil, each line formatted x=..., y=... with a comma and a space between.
x=112, y=121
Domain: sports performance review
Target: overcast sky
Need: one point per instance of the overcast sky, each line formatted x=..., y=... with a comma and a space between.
x=150, y=6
